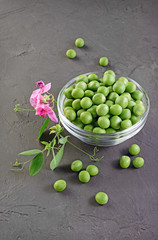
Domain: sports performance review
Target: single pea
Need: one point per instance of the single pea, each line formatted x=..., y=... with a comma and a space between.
x=138, y=109
x=92, y=77
x=79, y=42
x=67, y=108
x=109, y=103
x=71, y=53
x=81, y=78
x=108, y=79
x=119, y=87
x=81, y=85
x=93, y=85
x=89, y=128
x=113, y=96
x=68, y=92
x=92, y=169
x=70, y=114
x=86, y=117
x=76, y=104
x=84, y=176
x=101, y=198
x=126, y=114
x=125, y=161
x=138, y=162
x=103, y=61
x=80, y=111
x=89, y=93
x=134, y=119
x=68, y=102
x=110, y=130
x=128, y=95
x=123, y=80
x=131, y=87
x=76, y=165
x=110, y=72
x=99, y=130
x=130, y=105
x=115, y=122
x=126, y=124
x=77, y=122
x=60, y=185
x=86, y=103
x=102, y=109
x=98, y=98
x=115, y=109
x=122, y=101
x=137, y=95
x=103, y=122
x=139, y=102
x=103, y=90
x=134, y=149
x=77, y=93
x=110, y=89
x=92, y=110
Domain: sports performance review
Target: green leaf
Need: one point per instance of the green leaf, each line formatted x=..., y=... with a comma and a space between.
x=48, y=152
x=36, y=164
x=57, y=158
x=45, y=143
x=43, y=127
x=63, y=140
x=30, y=152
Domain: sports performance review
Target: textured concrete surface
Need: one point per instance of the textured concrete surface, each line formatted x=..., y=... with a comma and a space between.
x=34, y=35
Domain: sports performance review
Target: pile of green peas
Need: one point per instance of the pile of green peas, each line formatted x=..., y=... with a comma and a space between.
x=103, y=105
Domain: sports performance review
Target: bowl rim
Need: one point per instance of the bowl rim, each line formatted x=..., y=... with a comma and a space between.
x=104, y=135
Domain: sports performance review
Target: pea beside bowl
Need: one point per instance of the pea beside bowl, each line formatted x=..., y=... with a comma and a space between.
x=96, y=139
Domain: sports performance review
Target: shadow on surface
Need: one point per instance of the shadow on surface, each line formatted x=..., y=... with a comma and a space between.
x=116, y=164
x=92, y=202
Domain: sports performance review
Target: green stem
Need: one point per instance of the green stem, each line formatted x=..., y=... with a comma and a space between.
x=23, y=110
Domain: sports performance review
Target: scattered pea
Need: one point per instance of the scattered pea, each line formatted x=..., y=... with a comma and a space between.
x=103, y=61
x=138, y=162
x=92, y=169
x=134, y=149
x=79, y=42
x=125, y=161
x=101, y=198
x=71, y=53
x=84, y=176
x=76, y=165
x=60, y=185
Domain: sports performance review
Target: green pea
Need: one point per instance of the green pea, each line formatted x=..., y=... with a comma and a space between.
x=98, y=98
x=137, y=95
x=89, y=128
x=89, y=93
x=108, y=115
x=119, y=87
x=93, y=85
x=109, y=103
x=68, y=92
x=103, y=61
x=86, y=117
x=81, y=85
x=67, y=108
x=122, y=101
x=103, y=90
x=123, y=80
x=102, y=109
x=86, y=103
x=70, y=114
x=84, y=176
x=71, y=53
x=110, y=130
x=126, y=124
x=125, y=161
x=131, y=87
x=108, y=79
x=113, y=96
x=77, y=93
x=134, y=149
x=128, y=95
x=139, y=102
x=98, y=130
x=76, y=104
x=79, y=42
x=115, y=122
x=60, y=185
x=126, y=114
x=68, y=102
x=115, y=109
x=76, y=165
x=80, y=111
x=131, y=104
x=77, y=122
x=92, y=110
x=134, y=119
x=138, y=162
x=103, y=122
x=92, y=77
x=101, y=198
x=110, y=72
x=92, y=169
x=81, y=78
x=138, y=109
x=110, y=89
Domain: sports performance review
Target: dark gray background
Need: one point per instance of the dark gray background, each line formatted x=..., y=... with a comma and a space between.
x=34, y=36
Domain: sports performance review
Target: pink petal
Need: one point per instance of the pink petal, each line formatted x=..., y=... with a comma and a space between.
x=46, y=88
x=40, y=84
x=41, y=111
x=52, y=116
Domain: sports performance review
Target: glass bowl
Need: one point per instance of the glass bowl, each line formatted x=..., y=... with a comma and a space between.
x=96, y=139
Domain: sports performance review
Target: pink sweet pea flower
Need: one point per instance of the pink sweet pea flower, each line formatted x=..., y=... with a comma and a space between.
x=44, y=109
x=44, y=88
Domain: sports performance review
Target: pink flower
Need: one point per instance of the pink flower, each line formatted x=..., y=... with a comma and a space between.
x=44, y=88
x=44, y=109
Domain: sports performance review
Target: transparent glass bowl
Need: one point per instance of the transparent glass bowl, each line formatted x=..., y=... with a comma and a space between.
x=96, y=139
